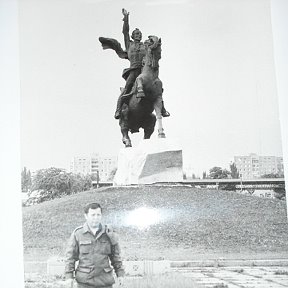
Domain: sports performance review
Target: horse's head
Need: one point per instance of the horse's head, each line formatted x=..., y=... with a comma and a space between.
x=153, y=42
x=153, y=50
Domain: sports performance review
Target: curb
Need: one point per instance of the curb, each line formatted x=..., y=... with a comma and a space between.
x=229, y=263
x=43, y=267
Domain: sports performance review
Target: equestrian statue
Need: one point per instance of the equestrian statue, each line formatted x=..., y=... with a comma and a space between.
x=143, y=90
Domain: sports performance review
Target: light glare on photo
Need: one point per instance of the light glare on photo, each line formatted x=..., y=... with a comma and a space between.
x=143, y=217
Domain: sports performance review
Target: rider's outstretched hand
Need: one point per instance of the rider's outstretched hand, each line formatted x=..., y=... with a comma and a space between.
x=124, y=12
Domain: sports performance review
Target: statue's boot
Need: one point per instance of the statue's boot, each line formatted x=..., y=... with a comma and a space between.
x=124, y=96
x=119, y=103
x=164, y=112
x=117, y=114
x=118, y=108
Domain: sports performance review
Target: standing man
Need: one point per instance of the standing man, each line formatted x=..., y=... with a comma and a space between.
x=96, y=247
x=135, y=51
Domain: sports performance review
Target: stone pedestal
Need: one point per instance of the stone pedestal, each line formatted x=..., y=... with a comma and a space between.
x=152, y=161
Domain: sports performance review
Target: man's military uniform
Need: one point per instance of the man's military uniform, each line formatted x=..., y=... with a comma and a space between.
x=93, y=253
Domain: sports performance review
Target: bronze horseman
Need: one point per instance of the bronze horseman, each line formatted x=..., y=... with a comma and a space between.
x=141, y=82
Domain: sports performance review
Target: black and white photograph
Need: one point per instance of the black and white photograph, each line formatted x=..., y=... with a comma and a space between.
x=149, y=143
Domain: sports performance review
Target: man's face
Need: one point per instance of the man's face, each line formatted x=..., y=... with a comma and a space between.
x=137, y=35
x=93, y=217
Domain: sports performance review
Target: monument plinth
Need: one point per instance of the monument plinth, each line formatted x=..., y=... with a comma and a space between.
x=152, y=161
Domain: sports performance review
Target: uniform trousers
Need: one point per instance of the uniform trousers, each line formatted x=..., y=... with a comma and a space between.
x=80, y=285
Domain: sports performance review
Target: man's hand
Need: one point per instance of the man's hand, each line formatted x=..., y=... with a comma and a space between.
x=125, y=13
x=69, y=283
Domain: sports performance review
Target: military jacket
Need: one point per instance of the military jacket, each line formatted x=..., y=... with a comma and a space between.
x=136, y=53
x=96, y=254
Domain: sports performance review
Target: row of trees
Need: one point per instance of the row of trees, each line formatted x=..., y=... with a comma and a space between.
x=220, y=173
x=26, y=180
x=54, y=182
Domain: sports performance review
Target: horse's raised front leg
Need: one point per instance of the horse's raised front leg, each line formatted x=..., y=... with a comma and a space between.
x=140, y=91
x=158, y=108
x=123, y=122
x=158, y=104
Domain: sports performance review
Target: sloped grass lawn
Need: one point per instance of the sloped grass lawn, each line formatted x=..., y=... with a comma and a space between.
x=191, y=223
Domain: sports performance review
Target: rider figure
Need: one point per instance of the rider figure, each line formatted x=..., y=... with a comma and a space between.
x=136, y=52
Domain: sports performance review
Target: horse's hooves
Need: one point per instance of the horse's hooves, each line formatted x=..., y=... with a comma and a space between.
x=161, y=135
x=127, y=142
x=165, y=114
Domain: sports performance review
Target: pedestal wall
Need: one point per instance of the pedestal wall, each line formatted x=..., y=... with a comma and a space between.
x=152, y=161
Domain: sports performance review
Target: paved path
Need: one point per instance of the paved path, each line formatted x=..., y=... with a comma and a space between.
x=238, y=276
x=222, y=273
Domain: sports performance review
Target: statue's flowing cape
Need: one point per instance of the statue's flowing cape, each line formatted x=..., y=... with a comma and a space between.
x=110, y=43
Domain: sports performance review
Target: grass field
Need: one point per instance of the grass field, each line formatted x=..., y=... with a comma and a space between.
x=188, y=223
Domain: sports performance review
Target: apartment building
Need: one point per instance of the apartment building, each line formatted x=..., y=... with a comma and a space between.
x=255, y=166
x=93, y=165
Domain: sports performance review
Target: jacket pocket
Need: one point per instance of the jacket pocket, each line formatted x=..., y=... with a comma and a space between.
x=107, y=277
x=86, y=275
x=85, y=247
x=83, y=274
x=84, y=269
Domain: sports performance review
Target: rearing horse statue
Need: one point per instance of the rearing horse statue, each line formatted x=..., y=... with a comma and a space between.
x=145, y=97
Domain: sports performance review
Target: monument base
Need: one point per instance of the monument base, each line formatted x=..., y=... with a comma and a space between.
x=152, y=161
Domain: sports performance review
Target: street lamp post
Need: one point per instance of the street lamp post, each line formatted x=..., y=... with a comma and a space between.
x=97, y=179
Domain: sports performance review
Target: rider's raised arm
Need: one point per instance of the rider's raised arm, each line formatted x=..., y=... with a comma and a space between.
x=126, y=28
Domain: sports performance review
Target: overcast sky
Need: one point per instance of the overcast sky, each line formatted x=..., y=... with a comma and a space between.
x=217, y=70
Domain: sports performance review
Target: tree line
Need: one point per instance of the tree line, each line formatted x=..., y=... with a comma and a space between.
x=220, y=173
x=53, y=182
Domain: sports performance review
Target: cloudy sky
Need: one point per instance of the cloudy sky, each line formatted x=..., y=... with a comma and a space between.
x=217, y=69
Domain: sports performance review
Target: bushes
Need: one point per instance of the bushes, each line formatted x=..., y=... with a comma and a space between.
x=280, y=193
x=53, y=182
x=228, y=187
